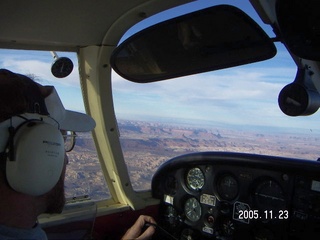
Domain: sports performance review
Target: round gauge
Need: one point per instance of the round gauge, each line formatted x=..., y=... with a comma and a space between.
x=62, y=67
x=227, y=187
x=192, y=209
x=228, y=227
x=269, y=195
x=171, y=216
x=195, y=179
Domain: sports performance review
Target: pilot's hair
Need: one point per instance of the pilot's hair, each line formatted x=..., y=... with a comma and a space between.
x=13, y=100
x=13, y=94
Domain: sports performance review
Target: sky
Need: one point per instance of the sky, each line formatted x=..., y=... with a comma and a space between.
x=245, y=95
x=38, y=65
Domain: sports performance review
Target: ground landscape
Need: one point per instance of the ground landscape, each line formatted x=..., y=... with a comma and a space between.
x=147, y=145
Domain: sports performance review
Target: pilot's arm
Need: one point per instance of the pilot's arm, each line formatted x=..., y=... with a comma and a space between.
x=135, y=232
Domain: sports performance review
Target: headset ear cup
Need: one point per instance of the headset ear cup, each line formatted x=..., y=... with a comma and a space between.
x=38, y=158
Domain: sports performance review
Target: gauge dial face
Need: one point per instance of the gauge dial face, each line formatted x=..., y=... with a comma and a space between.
x=171, y=216
x=195, y=179
x=192, y=209
x=269, y=195
x=227, y=187
x=62, y=67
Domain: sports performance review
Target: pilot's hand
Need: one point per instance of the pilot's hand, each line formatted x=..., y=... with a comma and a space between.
x=135, y=232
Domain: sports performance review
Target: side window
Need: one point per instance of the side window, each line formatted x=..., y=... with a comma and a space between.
x=84, y=179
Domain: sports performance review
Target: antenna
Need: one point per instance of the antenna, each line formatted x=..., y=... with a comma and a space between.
x=61, y=66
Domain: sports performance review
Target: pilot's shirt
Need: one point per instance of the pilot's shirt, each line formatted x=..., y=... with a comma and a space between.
x=35, y=233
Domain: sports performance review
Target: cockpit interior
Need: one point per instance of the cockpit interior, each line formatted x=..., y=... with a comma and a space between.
x=206, y=113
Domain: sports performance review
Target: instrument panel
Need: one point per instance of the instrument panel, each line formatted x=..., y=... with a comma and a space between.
x=217, y=195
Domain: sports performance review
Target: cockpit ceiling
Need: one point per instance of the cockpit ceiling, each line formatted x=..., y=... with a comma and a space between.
x=67, y=25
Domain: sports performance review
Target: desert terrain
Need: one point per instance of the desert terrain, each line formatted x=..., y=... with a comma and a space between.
x=146, y=145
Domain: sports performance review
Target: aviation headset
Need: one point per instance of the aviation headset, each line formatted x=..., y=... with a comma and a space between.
x=33, y=150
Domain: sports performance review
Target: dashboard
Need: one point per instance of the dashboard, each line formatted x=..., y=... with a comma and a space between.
x=222, y=195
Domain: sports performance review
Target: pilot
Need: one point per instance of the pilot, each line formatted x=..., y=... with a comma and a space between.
x=33, y=159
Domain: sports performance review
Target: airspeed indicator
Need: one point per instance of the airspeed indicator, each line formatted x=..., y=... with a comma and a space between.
x=195, y=179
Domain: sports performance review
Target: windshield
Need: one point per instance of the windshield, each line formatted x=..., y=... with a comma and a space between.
x=233, y=110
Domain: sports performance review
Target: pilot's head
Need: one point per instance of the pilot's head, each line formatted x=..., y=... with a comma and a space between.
x=32, y=154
